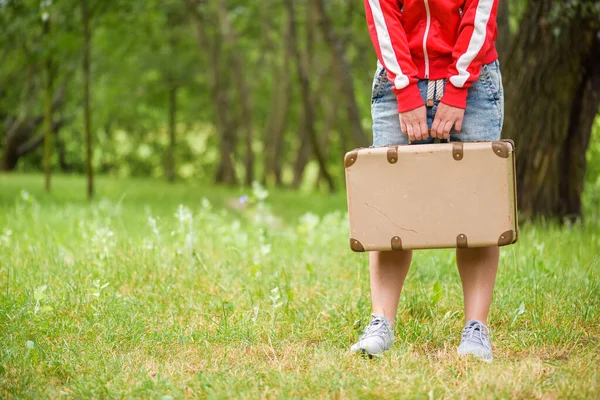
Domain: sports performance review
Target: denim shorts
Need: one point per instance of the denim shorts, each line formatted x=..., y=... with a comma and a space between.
x=483, y=118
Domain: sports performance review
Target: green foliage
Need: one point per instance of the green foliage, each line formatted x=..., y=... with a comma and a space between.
x=593, y=154
x=142, y=48
x=172, y=291
x=26, y=46
x=516, y=11
x=570, y=11
x=592, y=181
x=139, y=49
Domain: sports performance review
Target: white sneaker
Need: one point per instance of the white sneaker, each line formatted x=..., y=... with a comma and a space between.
x=475, y=340
x=378, y=337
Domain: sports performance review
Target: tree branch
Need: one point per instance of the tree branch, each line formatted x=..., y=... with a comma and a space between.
x=34, y=142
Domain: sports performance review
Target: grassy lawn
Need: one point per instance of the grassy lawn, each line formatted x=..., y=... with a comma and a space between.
x=172, y=291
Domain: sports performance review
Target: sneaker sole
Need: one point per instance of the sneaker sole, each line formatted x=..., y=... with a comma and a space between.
x=365, y=353
x=472, y=355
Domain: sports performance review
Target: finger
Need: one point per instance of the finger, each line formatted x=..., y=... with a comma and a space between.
x=416, y=131
x=458, y=125
x=423, y=133
x=447, y=127
x=434, y=127
x=440, y=128
x=403, y=126
x=424, y=130
x=411, y=133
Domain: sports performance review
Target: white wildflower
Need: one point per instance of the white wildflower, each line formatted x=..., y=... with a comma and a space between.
x=183, y=214
x=205, y=203
x=154, y=227
x=309, y=221
x=25, y=196
x=275, y=298
x=308, y=224
x=5, y=238
x=265, y=249
x=275, y=303
x=103, y=241
x=259, y=192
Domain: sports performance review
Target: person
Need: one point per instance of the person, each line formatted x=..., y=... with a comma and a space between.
x=437, y=77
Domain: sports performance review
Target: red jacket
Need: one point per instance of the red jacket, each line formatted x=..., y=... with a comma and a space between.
x=432, y=39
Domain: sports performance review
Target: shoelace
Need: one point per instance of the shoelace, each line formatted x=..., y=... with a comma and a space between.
x=374, y=327
x=475, y=331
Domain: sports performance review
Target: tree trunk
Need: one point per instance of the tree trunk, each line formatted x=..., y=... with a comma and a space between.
x=304, y=66
x=303, y=155
x=273, y=53
x=343, y=73
x=225, y=172
x=308, y=62
x=330, y=121
x=278, y=117
x=551, y=100
x=346, y=37
x=62, y=156
x=48, y=112
x=581, y=121
x=85, y=17
x=19, y=131
x=244, y=92
x=268, y=46
x=172, y=131
x=226, y=122
x=504, y=37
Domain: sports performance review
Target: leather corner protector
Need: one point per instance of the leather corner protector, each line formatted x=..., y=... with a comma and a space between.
x=510, y=142
x=507, y=238
x=350, y=158
x=392, y=155
x=457, y=151
x=397, y=243
x=356, y=246
x=461, y=241
x=501, y=148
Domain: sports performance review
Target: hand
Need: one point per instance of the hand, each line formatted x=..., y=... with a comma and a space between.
x=414, y=123
x=446, y=117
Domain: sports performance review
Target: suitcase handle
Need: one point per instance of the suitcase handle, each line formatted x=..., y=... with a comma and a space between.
x=437, y=140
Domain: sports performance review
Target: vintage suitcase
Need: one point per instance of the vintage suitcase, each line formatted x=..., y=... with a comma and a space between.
x=428, y=196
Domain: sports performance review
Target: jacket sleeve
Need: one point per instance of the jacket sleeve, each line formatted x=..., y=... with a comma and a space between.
x=477, y=33
x=389, y=40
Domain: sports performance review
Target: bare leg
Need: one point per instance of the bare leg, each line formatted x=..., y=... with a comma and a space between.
x=388, y=271
x=477, y=268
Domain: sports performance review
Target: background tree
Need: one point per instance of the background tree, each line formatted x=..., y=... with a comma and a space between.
x=244, y=97
x=225, y=122
x=26, y=79
x=87, y=117
x=48, y=92
x=308, y=106
x=552, y=81
x=234, y=91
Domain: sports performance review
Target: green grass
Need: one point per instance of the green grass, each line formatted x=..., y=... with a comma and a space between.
x=264, y=302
